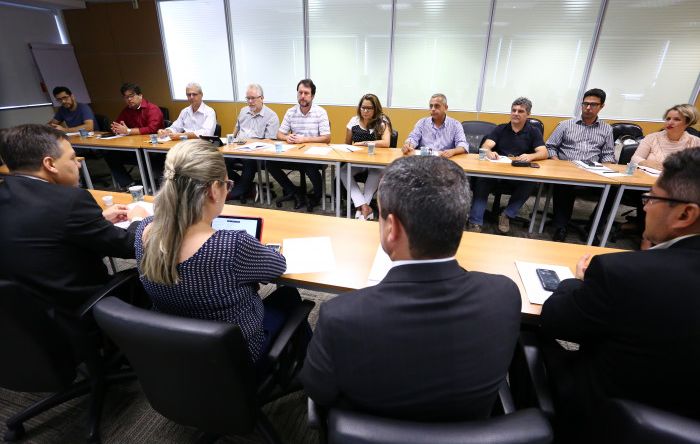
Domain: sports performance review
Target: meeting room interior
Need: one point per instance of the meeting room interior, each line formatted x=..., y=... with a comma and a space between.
x=230, y=166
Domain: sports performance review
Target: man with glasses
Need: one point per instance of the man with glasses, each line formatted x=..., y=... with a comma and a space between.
x=635, y=314
x=71, y=116
x=196, y=120
x=586, y=138
x=138, y=117
x=254, y=121
x=302, y=123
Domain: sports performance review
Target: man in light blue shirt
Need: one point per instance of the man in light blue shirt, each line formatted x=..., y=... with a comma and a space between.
x=439, y=132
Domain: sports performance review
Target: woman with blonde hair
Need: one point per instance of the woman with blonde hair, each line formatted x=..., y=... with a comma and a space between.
x=369, y=125
x=655, y=147
x=191, y=270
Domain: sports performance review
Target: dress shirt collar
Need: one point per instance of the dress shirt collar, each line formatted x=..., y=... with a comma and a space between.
x=202, y=107
x=31, y=177
x=421, y=261
x=669, y=243
x=261, y=113
x=580, y=121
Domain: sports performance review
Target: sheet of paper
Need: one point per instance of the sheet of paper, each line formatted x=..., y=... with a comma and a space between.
x=164, y=139
x=255, y=146
x=319, y=150
x=148, y=206
x=610, y=173
x=111, y=137
x=308, y=254
x=224, y=140
x=650, y=171
x=285, y=147
x=345, y=147
x=380, y=267
x=501, y=159
x=77, y=133
x=533, y=287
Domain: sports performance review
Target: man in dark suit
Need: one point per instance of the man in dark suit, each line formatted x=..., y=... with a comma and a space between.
x=53, y=235
x=635, y=314
x=431, y=341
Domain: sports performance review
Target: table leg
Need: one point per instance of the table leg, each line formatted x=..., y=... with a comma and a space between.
x=598, y=214
x=86, y=175
x=144, y=177
x=611, y=217
x=533, y=216
x=337, y=189
x=260, y=186
x=546, y=207
x=347, y=190
x=267, y=181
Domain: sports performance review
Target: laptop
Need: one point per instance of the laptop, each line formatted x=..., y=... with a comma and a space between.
x=251, y=225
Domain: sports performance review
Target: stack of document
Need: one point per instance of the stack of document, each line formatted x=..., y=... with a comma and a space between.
x=598, y=168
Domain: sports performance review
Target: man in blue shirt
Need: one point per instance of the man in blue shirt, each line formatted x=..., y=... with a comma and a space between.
x=443, y=134
x=71, y=116
x=518, y=139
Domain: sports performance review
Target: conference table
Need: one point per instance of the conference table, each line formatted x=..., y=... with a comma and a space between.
x=551, y=171
x=355, y=243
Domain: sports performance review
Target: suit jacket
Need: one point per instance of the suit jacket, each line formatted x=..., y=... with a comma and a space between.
x=53, y=239
x=430, y=342
x=637, y=318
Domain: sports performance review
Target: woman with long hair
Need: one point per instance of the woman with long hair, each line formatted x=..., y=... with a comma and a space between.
x=369, y=125
x=191, y=270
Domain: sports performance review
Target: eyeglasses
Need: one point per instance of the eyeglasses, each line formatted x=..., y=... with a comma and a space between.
x=366, y=108
x=129, y=96
x=63, y=99
x=590, y=104
x=192, y=94
x=249, y=98
x=647, y=197
x=229, y=184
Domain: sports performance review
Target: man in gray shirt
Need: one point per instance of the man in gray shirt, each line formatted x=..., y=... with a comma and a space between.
x=586, y=138
x=255, y=121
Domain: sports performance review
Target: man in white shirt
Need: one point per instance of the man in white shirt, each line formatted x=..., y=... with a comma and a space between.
x=196, y=120
x=302, y=123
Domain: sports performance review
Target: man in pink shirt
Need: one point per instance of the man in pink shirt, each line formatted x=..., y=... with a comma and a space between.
x=138, y=117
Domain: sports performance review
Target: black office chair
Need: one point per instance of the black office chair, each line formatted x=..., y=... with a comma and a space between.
x=627, y=422
x=102, y=123
x=340, y=426
x=199, y=372
x=537, y=123
x=692, y=131
x=44, y=347
x=476, y=132
x=166, y=113
x=394, y=140
x=627, y=129
x=217, y=130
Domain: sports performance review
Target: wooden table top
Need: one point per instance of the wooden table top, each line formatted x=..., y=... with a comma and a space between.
x=639, y=178
x=355, y=244
x=130, y=142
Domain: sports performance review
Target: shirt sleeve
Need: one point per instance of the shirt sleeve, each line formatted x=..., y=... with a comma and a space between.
x=272, y=126
x=178, y=125
x=209, y=124
x=555, y=140
x=87, y=113
x=608, y=152
x=285, y=127
x=154, y=120
x=415, y=136
x=643, y=150
x=324, y=126
x=254, y=262
x=460, y=140
x=318, y=373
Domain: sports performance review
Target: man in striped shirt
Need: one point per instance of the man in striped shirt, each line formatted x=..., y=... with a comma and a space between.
x=586, y=138
x=303, y=123
x=439, y=132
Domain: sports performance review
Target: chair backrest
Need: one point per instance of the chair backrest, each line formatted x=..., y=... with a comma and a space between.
x=217, y=130
x=37, y=352
x=476, y=132
x=394, y=140
x=522, y=427
x=102, y=123
x=195, y=372
x=166, y=123
x=630, y=129
x=627, y=422
x=692, y=131
x=166, y=113
x=537, y=123
x=627, y=152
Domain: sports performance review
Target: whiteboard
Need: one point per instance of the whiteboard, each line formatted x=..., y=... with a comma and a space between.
x=59, y=67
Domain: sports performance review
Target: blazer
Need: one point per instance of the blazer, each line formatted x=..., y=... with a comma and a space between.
x=429, y=342
x=53, y=239
x=637, y=318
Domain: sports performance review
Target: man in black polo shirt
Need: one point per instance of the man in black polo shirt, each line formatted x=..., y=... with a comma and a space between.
x=521, y=140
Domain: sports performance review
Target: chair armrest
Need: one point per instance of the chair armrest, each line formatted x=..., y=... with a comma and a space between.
x=314, y=416
x=506, y=398
x=295, y=320
x=117, y=281
x=538, y=378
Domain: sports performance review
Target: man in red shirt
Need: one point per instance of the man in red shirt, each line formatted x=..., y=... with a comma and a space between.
x=138, y=117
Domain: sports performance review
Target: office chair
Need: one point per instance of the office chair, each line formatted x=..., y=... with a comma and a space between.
x=166, y=114
x=102, y=123
x=46, y=348
x=217, y=130
x=199, y=372
x=627, y=129
x=476, y=132
x=692, y=131
x=537, y=123
x=340, y=426
x=622, y=421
